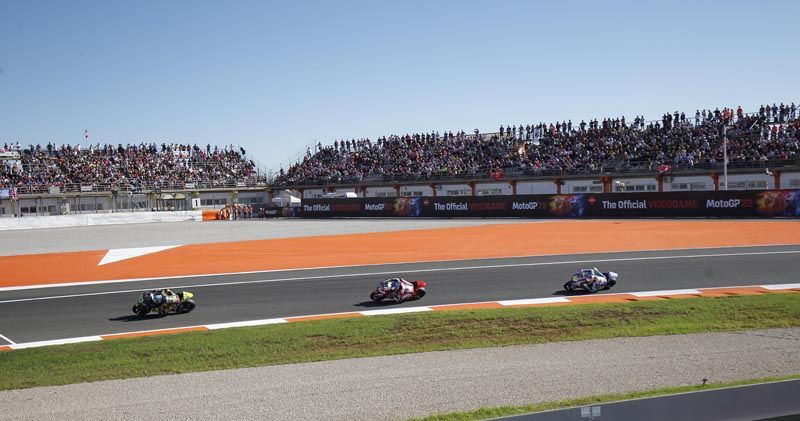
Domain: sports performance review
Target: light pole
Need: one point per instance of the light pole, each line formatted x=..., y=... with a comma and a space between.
x=725, y=154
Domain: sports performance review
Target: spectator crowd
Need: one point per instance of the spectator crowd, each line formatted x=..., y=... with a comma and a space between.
x=674, y=141
x=39, y=167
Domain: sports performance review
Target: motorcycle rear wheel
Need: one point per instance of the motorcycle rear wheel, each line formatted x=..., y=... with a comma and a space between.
x=140, y=310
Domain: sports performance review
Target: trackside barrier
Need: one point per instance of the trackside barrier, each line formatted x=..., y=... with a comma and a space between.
x=209, y=214
x=741, y=204
x=88, y=219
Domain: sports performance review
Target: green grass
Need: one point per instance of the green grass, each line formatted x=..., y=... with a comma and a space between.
x=505, y=411
x=387, y=335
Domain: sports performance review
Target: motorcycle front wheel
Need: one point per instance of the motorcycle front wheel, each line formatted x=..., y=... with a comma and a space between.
x=376, y=296
x=185, y=306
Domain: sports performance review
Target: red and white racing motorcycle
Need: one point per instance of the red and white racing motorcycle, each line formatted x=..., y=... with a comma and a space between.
x=399, y=290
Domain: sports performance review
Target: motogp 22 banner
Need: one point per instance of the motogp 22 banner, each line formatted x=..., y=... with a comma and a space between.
x=743, y=204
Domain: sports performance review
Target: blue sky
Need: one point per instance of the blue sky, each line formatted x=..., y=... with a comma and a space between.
x=274, y=76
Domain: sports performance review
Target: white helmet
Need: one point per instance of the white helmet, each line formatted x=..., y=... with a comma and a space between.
x=612, y=276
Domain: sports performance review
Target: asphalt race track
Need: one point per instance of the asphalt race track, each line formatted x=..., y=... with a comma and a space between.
x=84, y=310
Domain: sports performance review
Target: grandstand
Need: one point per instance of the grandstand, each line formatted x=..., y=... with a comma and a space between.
x=674, y=153
x=55, y=179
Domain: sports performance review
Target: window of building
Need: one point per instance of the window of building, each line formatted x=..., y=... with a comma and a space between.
x=459, y=192
x=735, y=184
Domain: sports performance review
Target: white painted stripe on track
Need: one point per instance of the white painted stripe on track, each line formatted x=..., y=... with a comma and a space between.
x=666, y=292
x=449, y=269
x=134, y=332
x=780, y=286
x=394, y=311
x=532, y=301
x=379, y=312
x=57, y=342
x=117, y=255
x=158, y=278
x=246, y=323
x=5, y=338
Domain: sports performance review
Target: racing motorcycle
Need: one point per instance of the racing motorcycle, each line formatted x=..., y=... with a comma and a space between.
x=591, y=280
x=153, y=301
x=391, y=288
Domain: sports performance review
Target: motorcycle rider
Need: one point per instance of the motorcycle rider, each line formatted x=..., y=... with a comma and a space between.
x=400, y=289
x=164, y=299
x=171, y=299
x=596, y=282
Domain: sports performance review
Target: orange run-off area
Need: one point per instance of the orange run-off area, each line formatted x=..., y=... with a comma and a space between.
x=476, y=242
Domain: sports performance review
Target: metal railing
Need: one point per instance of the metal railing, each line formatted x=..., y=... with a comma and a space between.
x=148, y=186
x=640, y=168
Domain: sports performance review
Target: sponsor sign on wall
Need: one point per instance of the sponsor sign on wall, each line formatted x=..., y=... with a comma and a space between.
x=766, y=203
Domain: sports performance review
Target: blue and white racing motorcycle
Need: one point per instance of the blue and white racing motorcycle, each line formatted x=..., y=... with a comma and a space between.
x=590, y=280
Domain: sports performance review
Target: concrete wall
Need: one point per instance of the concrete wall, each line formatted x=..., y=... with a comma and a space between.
x=418, y=190
x=689, y=183
x=748, y=181
x=253, y=198
x=454, y=190
x=582, y=186
x=485, y=189
x=536, y=187
x=790, y=180
x=214, y=200
x=629, y=185
x=381, y=192
x=87, y=219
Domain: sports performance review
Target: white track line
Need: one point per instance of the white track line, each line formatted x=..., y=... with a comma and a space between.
x=780, y=286
x=666, y=292
x=530, y=301
x=395, y=311
x=5, y=338
x=58, y=342
x=246, y=323
x=157, y=278
x=450, y=269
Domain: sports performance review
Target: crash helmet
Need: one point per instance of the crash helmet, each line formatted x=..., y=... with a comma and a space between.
x=612, y=276
x=148, y=297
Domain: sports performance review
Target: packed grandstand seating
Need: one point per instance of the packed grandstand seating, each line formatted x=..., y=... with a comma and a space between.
x=768, y=136
x=144, y=165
